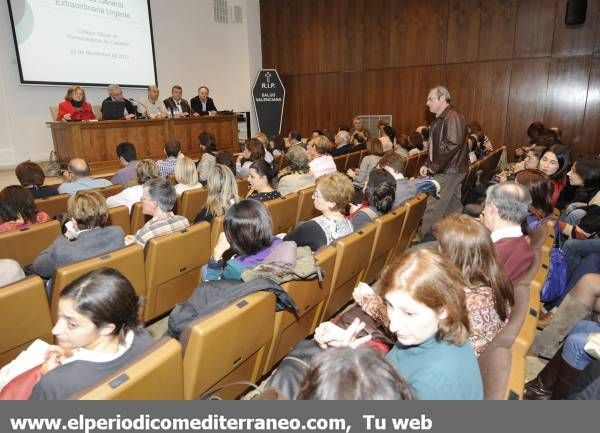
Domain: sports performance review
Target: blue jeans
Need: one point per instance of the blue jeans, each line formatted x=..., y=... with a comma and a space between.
x=573, y=352
x=576, y=250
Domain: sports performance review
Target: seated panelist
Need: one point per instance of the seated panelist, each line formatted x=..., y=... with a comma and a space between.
x=176, y=105
x=151, y=106
x=202, y=105
x=75, y=107
x=115, y=94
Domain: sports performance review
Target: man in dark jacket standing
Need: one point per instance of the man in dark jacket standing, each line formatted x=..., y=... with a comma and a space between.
x=448, y=157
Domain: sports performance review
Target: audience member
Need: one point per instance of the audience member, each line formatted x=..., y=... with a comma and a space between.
x=295, y=138
x=172, y=151
x=264, y=140
x=368, y=163
x=208, y=145
x=202, y=104
x=18, y=210
x=88, y=235
x=186, y=175
x=158, y=200
x=145, y=170
x=261, y=176
x=342, y=143
x=10, y=272
x=97, y=332
x=349, y=374
x=278, y=145
x=555, y=162
x=226, y=158
x=448, y=160
x=253, y=151
x=504, y=213
x=31, y=176
x=358, y=129
x=222, y=193
x=152, y=107
x=333, y=193
x=427, y=312
x=247, y=232
x=77, y=178
x=321, y=162
x=296, y=176
x=128, y=161
x=115, y=94
x=475, y=128
x=75, y=107
x=540, y=189
x=489, y=291
x=378, y=200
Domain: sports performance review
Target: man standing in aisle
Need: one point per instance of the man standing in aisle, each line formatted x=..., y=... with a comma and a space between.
x=448, y=157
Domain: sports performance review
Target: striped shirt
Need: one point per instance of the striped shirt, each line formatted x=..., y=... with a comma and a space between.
x=167, y=166
x=160, y=227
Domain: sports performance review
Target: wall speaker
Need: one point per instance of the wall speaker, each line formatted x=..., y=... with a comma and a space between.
x=576, y=10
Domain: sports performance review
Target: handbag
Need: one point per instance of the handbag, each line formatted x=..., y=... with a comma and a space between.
x=556, y=280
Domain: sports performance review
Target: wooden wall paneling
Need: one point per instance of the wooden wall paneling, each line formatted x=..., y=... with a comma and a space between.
x=290, y=108
x=573, y=40
x=464, y=18
x=378, y=91
x=269, y=23
x=535, y=28
x=418, y=34
x=590, y=142
x=498, y=22
x=461, y=81
x=378, y=27
x=290, y=34
x=566, y=96
x=526, y=103
x=491, y=98
x=597, y=44
x=352, y=95
x=352, y=34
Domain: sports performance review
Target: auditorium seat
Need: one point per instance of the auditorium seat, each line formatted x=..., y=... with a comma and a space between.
x=388, y=229
x=489, y=165
x=353, y=160
x=340, y=163
x=26, y=244
x=191, y=202
x=155, y=375
x=25, y=317
x=415, y=208
x=173, y=265
x=363, y=153
x=216, y=227
x=228, y=346
x=108, y=191
x=469, y=181
x=243, y=188
x=54, y=205
x=503, y=373
x=422, y=158
x=306, y=208
x=352, y=259
x=310, y=297
x=410, y=166
x=119, y=216
x=138, y=219
x=128, y=260
x=53, y=112
x=283, y=212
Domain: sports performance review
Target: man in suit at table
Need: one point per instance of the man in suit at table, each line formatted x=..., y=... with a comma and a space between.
x=115, y=94
x=202, y=105
x=176, y=105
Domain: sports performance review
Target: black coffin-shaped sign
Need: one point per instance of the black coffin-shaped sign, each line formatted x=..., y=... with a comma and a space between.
x=268, y=95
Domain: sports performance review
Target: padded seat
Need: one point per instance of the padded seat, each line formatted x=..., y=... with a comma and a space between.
x=108, y=191
x=156, y=375
x=388, y=229
x=119, y=216
x=469, y=181
x=340, y=163
x=173, y=265
x=410, y=166
x=353, y=160
x=352, y=259
x=25, y=317
x=228, y=346
x=243, y=188
x=283, y=212
x=310, y=297
x=128, y=260
x=137, y=219
x=415, y=208
x=216, y=228
x=55, y=205
x=422, y=158
x=503, y=373
x=191, y=202
x=306, y=208
x=26, y=244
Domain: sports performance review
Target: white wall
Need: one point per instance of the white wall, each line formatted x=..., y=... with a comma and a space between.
x=191, y=50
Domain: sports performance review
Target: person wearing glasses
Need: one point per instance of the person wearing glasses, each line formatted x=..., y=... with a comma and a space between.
x=77, y=178
x=332, y=194
x=115, y=94
x=448, y=160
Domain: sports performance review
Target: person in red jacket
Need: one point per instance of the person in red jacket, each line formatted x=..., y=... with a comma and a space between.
x=75, y=107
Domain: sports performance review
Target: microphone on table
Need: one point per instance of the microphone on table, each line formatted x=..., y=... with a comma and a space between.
x=139, y=115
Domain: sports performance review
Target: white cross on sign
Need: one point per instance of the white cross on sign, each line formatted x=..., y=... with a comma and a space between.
x=268, y=76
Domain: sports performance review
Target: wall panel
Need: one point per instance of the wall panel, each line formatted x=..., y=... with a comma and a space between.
x=572, y=40
x=591, y=124
x=498, y=21
x=464, y=18
x=535, y=28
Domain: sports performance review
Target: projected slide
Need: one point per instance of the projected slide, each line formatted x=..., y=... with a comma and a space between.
x=84, y=41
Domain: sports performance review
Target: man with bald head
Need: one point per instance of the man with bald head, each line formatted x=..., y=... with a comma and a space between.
x=151, y=106
x=77, y=178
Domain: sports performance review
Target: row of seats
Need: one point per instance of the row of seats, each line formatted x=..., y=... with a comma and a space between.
x=246, y=353
x=503, y=362
x=481, y=171
x=412, y=164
